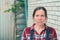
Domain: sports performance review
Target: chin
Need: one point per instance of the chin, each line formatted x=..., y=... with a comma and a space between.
x=40, y=23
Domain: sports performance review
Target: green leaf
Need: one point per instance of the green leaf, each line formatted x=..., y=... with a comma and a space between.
x=16, y=7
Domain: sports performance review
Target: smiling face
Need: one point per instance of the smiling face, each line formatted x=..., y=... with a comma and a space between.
x=40, y=17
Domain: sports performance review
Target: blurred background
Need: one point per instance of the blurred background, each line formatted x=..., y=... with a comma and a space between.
x=19, y=16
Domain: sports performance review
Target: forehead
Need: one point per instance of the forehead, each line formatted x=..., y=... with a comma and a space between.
x=40, y=12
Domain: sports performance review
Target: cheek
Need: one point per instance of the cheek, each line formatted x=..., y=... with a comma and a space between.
x=35, y=18
x=44, y=19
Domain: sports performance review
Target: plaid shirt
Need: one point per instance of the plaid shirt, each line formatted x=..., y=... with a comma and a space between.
x=41, y=36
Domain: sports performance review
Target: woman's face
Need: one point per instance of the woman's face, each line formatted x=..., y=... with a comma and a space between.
x=39, y=17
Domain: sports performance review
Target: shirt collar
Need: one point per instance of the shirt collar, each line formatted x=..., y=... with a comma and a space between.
x=34, y=25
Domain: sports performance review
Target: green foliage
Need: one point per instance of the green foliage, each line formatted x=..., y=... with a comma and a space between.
x=15, y=7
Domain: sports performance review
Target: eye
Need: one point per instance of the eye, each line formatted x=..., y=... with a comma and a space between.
x=37, y=15
x=43, y=15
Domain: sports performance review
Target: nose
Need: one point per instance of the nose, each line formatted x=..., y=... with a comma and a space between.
x=40, y=17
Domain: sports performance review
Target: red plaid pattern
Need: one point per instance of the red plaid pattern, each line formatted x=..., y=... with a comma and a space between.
x=36, y=36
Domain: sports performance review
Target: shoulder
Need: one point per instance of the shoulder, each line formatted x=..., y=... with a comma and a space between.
x=27, y=30
x=52, y=29
x=53, y=33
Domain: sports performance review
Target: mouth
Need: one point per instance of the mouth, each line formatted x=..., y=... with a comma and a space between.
x=39, y=22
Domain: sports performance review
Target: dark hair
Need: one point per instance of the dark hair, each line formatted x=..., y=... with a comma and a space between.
x=39, y=8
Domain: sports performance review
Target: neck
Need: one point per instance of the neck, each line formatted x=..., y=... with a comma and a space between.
x=39, y=26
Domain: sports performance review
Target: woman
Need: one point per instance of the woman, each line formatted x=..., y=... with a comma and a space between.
x=39, y=30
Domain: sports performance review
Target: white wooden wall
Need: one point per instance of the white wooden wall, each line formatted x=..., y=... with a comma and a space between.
x=53, y=10
x=6, y=20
